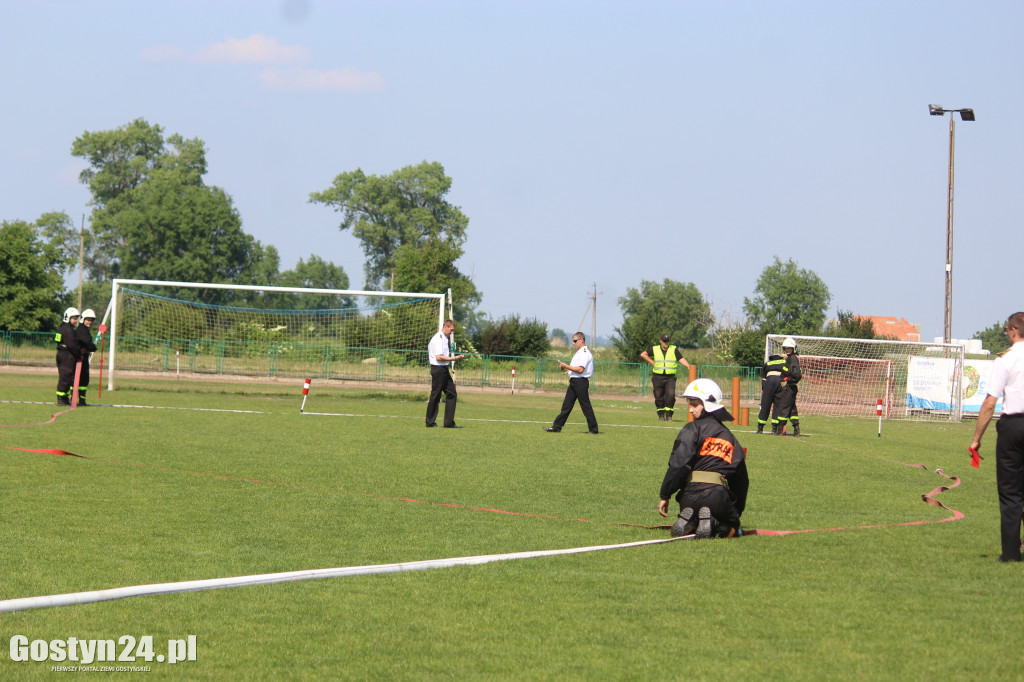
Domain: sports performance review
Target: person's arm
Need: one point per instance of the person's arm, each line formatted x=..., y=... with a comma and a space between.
x=681, y=359
x=565, y=367
x=680, y=463
x=988, y=408
x=646, y=356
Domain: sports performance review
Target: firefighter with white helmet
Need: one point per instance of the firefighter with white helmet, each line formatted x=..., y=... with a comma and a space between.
x=84, y=333
x=707, y=468
x=69, y=351
x=788, y=412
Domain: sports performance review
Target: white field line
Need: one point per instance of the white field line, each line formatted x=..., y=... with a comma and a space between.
x=138, y=407
x=73, y=598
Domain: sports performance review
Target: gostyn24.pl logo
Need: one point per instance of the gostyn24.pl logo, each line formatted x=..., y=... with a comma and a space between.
x=126, y=649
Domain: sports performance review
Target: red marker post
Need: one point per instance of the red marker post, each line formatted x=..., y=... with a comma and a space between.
x=513, y=379
x=305, y=392
x=878, y=411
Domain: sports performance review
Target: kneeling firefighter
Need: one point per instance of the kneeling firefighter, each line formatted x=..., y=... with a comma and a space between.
x=707, y=467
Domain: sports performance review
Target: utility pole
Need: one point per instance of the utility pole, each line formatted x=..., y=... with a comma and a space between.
x=81, y=261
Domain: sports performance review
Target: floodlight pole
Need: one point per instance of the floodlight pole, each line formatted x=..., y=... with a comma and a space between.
x=965, y=115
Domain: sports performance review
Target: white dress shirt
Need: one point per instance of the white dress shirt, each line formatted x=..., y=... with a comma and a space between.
x=585, y=359
x=1007, y=379
x=438, y=346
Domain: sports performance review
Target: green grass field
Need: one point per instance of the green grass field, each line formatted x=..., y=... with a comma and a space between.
x=174, y=495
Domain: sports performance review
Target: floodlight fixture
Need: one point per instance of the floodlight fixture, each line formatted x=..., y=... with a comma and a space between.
x=967, y=114
x=936, y=109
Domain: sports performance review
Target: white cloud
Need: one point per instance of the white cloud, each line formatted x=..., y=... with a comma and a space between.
x=256, y=49
x=313, y=80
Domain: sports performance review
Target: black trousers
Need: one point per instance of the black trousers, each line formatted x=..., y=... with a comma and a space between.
x=664, y=392
x=717, y=498
x=1010, y=481
x=66, y=365
x=771, y=395
x=579, y=390
x=787, y=404
x=83, y=378
x=441, y=382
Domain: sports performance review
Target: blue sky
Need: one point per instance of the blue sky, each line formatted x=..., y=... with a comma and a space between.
x=588, y=142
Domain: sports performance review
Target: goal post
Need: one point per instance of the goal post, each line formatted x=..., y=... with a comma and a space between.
x=847, y=377
x=253, y=329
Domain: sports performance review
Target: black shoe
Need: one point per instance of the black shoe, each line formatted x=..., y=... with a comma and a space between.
x=679, y=528
x=453, y=426
x=63, y=400
x=431, y=426
x=82, y=403
x=661, y=416
x=594, y=432
x=704, y=525
x=551, y=429
x=1001, y=559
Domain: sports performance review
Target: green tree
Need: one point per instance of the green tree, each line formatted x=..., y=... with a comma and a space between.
x=154, y=218
x=32, y=292
x=993, y=339
x=430, y=267
x=316, y=273
x=849, y=326
x=558, y=333
x=747, y=348
x=407, y=207
x=788, y=301
x=512, y=336
x=654, y=309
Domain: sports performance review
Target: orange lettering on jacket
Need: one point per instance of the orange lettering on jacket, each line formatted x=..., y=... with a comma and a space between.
x=717, y=447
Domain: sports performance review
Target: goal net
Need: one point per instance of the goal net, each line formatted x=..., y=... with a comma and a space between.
x=847, y=377
x=201, y=328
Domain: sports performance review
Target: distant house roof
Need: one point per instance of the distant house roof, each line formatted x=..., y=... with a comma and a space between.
x=894, y=328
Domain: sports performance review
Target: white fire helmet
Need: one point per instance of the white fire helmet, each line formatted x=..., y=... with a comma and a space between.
x=707, y=391
x=69, y=313
x=88, y=314
x=790, y=342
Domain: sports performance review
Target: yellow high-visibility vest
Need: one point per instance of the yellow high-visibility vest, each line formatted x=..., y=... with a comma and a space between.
x=665, y=361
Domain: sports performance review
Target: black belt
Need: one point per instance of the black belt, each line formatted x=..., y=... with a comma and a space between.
x=1015, y=415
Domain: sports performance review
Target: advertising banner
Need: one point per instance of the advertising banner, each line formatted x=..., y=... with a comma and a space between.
x=930, y=384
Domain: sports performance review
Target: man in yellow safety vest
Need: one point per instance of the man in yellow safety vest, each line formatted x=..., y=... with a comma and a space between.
x=665, y=360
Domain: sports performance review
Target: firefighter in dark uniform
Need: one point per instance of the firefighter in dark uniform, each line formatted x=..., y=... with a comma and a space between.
x=708, y=467
x=84, y=333
x=788, y=413
x=68, y=353
x=665, y=359
x=773, y=384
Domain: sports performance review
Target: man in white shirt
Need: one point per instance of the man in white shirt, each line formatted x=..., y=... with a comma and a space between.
x=1007, y=380
x=441, y=379
x=580, y=371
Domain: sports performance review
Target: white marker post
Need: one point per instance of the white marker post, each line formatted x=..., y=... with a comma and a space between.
x=305, y=392
x=878, y=411
x=177, y=363
x=513, y=379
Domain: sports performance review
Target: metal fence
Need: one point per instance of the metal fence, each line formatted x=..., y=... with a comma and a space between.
x=184, y=357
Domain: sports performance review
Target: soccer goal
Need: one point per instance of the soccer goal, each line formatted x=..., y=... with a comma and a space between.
x=177, y=328
x=847, y=377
